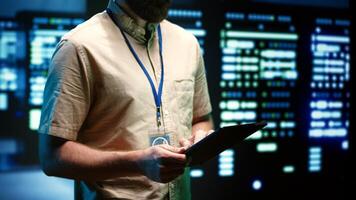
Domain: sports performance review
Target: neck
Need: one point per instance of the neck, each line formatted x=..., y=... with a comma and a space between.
x=138, y=20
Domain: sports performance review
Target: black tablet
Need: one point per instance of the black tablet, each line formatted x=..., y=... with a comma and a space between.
x=220, y=140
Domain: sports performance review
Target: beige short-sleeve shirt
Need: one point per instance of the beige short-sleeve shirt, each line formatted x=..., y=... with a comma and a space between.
x=97, y=94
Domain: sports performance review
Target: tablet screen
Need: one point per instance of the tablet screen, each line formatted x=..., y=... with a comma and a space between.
x=220, y=140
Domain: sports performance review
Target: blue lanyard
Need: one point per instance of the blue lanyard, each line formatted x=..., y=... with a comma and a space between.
x=157, y=95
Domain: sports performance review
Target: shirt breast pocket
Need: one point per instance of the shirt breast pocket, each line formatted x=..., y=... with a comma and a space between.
x=184, y=95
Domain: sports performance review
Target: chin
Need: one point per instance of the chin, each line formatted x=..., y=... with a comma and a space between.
x=153, y=11
x=155, y=15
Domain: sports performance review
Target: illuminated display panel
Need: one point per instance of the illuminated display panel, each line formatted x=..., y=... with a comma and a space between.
x=12, y=75
x=44, y=34
x=263, y=78
x=258, y=83
x=12, y=90
x=259, y=72
x=330, y=90
x=294, y=73
x=8, y=56
x=8, y=62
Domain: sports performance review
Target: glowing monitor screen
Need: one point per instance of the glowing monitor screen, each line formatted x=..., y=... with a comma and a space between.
x=44, y=35
x=8, y=61
x=258, y=80
x=330, y=88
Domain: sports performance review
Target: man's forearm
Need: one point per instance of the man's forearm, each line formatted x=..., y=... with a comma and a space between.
x=77, y=161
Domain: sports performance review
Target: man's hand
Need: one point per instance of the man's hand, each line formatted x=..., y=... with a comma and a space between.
x=162, y=163
x=196, y=137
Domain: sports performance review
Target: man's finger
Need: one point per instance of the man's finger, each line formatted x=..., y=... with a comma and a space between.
x=173, y=149
x=185, y=143
x=174, y=159
x=172, y=154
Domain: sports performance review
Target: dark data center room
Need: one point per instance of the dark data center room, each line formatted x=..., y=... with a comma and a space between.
x=177, y=100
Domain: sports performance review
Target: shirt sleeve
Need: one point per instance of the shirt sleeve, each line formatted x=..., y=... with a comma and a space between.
x=201, y=102
x=67, y=95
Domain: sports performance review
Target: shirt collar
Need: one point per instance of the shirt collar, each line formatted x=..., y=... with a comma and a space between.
x=130, y=27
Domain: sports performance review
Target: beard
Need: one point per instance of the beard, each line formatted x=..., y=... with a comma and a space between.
x=153, y=11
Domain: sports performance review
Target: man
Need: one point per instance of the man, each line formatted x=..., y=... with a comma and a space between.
x=126, y=95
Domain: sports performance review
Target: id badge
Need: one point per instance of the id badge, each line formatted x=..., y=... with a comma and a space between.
x=159, y=136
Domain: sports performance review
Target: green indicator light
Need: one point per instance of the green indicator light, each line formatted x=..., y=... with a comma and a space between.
x=274, y=134
x=231, y=84
x=228, y=25
x=222, y=44
x=222, y=34
x=223, y=94
x=286, y=115
x=288, y=169
x=51, y=21
x=262, y=44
